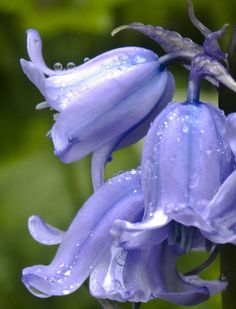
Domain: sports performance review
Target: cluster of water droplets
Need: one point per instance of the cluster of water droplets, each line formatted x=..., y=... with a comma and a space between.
x=59, y=67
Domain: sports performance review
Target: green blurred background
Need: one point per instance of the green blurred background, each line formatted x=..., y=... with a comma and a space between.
x=32, y=179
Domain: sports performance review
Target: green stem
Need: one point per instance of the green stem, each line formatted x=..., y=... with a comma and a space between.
x=227, y=102
x=136, y=305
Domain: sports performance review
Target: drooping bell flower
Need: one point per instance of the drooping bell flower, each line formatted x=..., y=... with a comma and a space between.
x=88, y=249
x=105, y=103
x=188, y=168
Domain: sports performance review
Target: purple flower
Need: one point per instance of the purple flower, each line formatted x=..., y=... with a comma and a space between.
x=188, y=175
x=104, y=104
x=88, y=249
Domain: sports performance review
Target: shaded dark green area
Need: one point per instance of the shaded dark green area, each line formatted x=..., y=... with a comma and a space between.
x=32, y=179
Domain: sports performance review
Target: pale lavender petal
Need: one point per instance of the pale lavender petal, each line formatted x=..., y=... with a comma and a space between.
x=34, y=47
x=231, y=131
x=183, y=144
x=78, y=131
x=88, y=237
x=102, y=155
x=34, y=74
x=141, y=129
x=157, y=220
x=103, y=81
x=43, y=232
x=99, y=160
x=215, y=219
x=144, y=274
x=132, y=240
x=221, y=213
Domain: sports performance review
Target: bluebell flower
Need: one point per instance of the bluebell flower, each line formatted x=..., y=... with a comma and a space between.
x=188, y=169
x=88, y=249
x=104, y=104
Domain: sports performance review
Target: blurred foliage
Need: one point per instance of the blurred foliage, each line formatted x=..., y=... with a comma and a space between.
x=32, y=180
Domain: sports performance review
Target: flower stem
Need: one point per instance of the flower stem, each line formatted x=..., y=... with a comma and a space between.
x=227, y=102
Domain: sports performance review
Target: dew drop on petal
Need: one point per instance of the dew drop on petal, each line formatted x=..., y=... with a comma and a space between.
x=51, y=280
x=70, y=65
x=67, y=273
x=58, y=66
x=66, y=292
x=133, y=172
x=185, y=128
x=139, y=59
x=86, y=59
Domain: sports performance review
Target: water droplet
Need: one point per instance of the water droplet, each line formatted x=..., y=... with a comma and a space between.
x=133, y=172
x=66, y=292
x=139, y=59
x=70, y=65
x=58, y=66
x=67, y=273
x=194, y=180
x=90, y=267
x=86, y=59
x=127, y=177
x=208, y=152
x=51, y=280
x=91, y=234
x=185, y=128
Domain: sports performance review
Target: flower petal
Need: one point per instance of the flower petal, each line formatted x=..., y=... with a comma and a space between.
x=83, y=128
x=43, y=232
x=108, y=78
x=141, y=129
x=184, y=140
x=215, y=219
x=144, y=274
x=99, y=160
x=34, y=74
x=34, y=47
x=231, y=131
x=141, y=239
x=221, y=213
x=88, y=237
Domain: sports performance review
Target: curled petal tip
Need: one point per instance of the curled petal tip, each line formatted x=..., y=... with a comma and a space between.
x=118, y=29
x=43, y=232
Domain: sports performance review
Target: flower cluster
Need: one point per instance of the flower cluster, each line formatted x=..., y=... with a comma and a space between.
x=128, y=235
